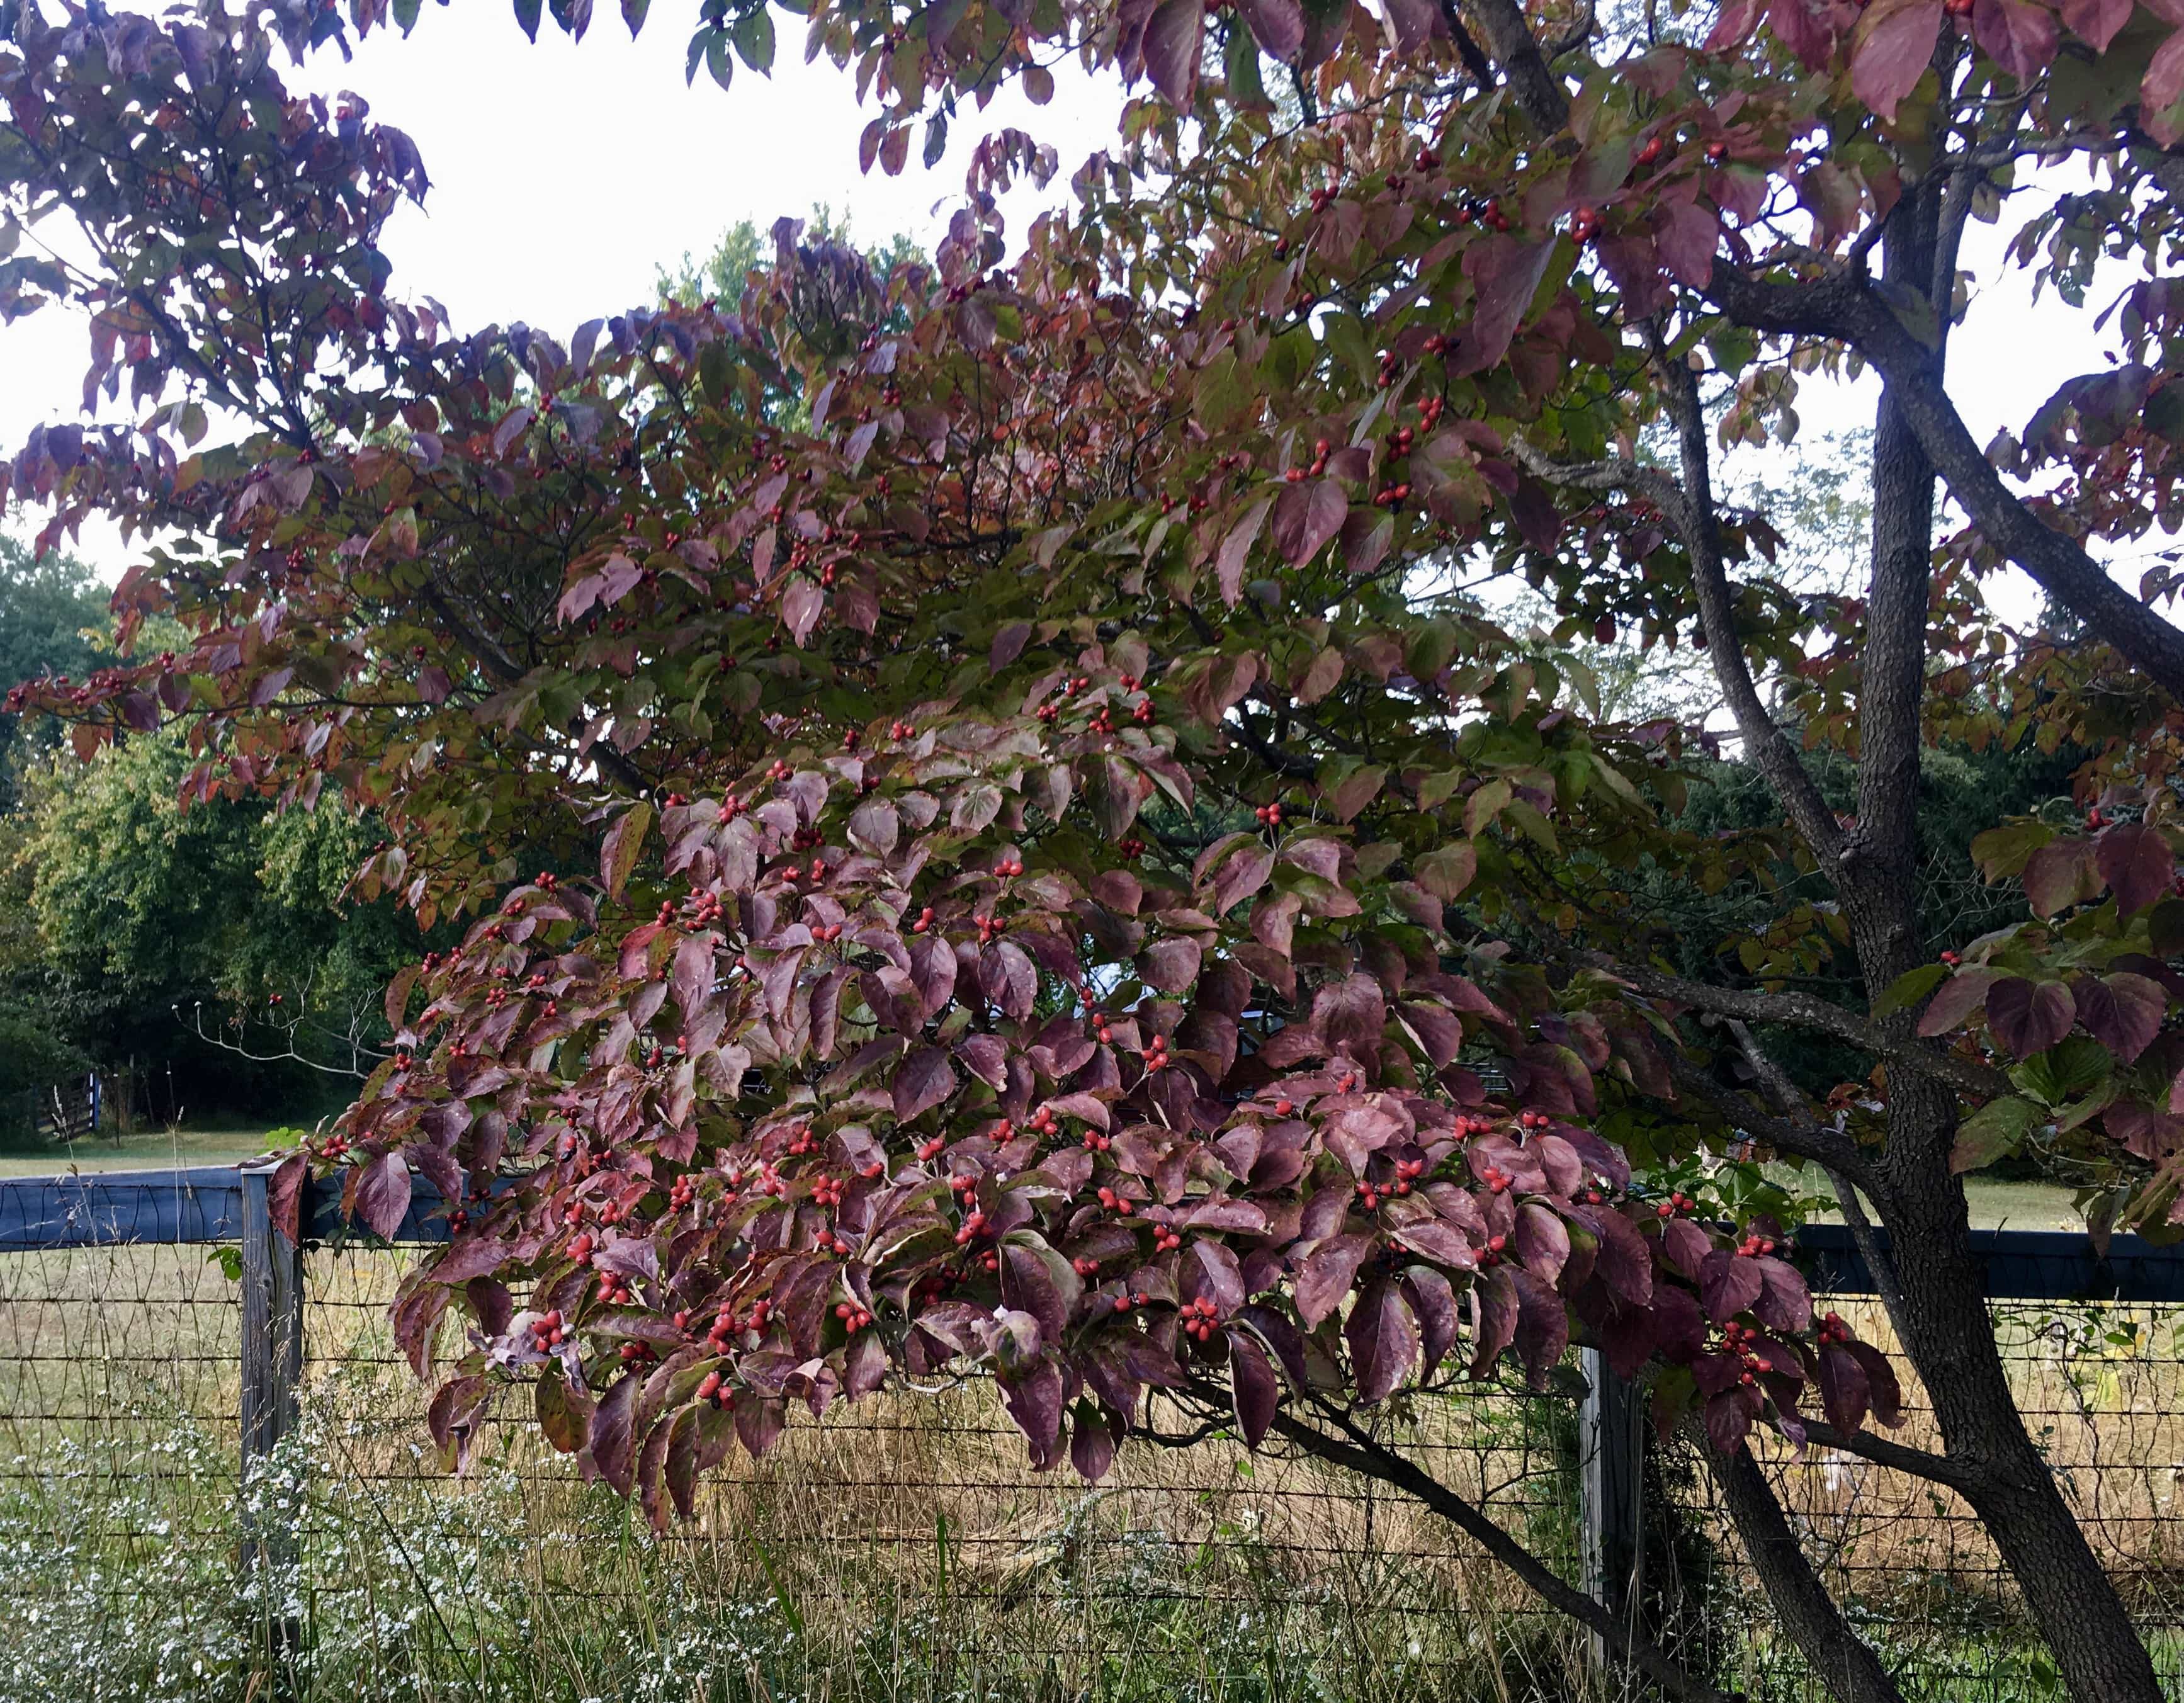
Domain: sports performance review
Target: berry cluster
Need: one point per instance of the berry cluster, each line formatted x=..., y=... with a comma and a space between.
x=547, y=1331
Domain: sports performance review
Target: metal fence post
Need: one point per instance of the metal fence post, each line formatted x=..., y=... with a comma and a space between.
x=1611, y=1512
x=272, y=1368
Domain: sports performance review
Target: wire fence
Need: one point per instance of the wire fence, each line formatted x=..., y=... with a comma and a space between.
x=900, y=1549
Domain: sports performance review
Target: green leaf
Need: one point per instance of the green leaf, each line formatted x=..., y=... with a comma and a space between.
x=754, y=39
x=2002, y=852
x=1447, y=872
x=1994, y=1130
x=2066, y=1070
x=1909, y=989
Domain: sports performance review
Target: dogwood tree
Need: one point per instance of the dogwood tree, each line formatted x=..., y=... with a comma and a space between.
x=992, y=826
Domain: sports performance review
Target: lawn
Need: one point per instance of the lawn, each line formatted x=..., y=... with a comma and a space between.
x=153, y=1149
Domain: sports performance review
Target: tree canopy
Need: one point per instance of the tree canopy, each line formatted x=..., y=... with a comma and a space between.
x=1035, y=855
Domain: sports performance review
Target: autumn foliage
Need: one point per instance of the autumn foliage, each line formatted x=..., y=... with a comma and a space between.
x=990, y=832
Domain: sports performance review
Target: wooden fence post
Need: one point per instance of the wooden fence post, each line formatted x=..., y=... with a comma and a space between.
x=272, y=1368
x=1610, y=1509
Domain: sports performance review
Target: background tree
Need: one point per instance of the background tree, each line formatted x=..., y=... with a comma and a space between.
x=48, y=605
x=1069, y=860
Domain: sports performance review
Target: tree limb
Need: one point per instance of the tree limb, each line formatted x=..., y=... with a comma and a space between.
x=1360, y=1453
x=1826, y=1147
x=1848, y=1665
x=1540, y=93
x=1804, y=1011
x=1838, y=306
x=1769, y=747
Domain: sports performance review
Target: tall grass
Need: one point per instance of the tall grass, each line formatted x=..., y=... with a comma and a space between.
x=899, y=1551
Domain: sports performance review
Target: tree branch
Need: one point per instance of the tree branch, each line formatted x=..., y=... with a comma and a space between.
x=1826, y=1147
x=1804, y=1011
x=1838, y=306
x=1769, y=746
x=1360, y=1453
x=1852, y=1672
x=1540, y=93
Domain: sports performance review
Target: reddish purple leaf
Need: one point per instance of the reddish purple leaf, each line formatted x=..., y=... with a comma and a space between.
x=1326, y=1275
x=285, y=1190
x=382, y=1193
x=1785, y=1304
x=2123, y=1012
x=1306, y=516
x=619, y=850
x=2016, y=34
x=1253, y=1387
x=1236, y=550
x=2136, y=862
x=1383, y=1340
x=924, y=1080
x=1171, y=44
x=612, y=1438
x=1844, y=1393
x=2058, y=876
x=1955, y=1001
x=1889, y=49
x=2027, y=1016
x=2097, y=21
x=1728, y=1284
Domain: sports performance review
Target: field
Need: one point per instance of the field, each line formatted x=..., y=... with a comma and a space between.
x=899, y=1552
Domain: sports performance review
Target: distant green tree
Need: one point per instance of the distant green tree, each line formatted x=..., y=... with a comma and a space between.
x=134, y=924
x=47, y=606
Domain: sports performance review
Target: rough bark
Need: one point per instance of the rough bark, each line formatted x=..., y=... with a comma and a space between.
x=1846, y=1664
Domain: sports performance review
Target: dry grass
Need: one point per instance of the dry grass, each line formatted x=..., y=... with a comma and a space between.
x=899, y=1550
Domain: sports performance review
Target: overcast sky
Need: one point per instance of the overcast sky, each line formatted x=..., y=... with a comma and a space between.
x=565, y=174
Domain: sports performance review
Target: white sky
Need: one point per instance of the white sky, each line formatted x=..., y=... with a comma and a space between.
x=565, y=174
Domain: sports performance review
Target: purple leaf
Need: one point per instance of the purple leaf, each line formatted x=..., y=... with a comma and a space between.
x=284, y=1196
x=1170, y=965
x=1326, y=1275
x=1306, y=516
x=1493, y=1318
x=1844, y=1393
x=2097, y=21
x=1956, y=1000
x=2029, y=1017
x=1889, y=49
x=1729, y=1418
x=613, y=1434
x=1543, y=1242
x=382, y=1194
x=618, y=851
x=1785, y=1303
x=1252, y=1385
x=1171, y=45
x=1684, y=1246
x=1091, y=1443
x=925, y=1079
x=1880, y=1382
x=1728, y=1284
x=1542, y=1327
x=2136, y=862
x=2018, y=36
x=2123, y=1012
x=1383, y=1340
x=2058, y=876
x=1235, y=550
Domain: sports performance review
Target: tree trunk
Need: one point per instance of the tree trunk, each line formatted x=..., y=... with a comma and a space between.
x=2099, y=1651
x=1948, y=1334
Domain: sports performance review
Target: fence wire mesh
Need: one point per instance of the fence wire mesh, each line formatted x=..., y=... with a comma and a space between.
x=901, y=1550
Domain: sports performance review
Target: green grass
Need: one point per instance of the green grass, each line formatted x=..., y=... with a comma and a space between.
x=1995, y=1205
x=150, y=1150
